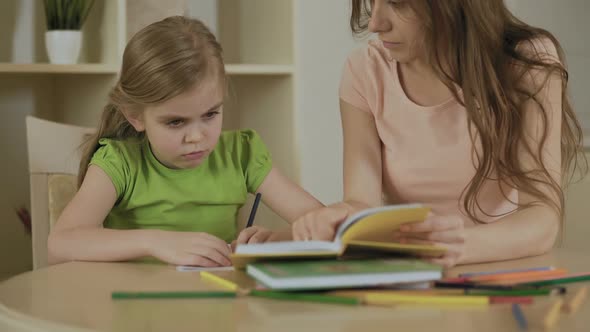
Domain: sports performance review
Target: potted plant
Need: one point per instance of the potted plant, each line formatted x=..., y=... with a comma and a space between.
x=63, y=38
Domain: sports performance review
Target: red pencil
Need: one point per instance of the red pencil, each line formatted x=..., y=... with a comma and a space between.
x=511, y=299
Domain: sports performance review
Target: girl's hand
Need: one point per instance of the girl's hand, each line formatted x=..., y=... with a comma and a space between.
x=447, y=232
x=254, y=234
x=320, y=224
x=190, y=248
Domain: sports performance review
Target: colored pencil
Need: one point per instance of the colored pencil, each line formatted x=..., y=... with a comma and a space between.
x=552, y=314
x=444, y=300
x=306, y=297
x=530, y=275
x=170, y=295
x=575, y=301
x=219, y=281
x=558, y=281
x=474, y=274
x=519, y=316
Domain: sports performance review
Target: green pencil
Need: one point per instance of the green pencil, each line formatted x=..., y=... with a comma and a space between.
x=558, y=281
x=170, y=295
x=516, y=292
x=306, y=297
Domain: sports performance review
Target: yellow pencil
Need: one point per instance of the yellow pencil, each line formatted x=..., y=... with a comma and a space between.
x=576, y=301
x=219, y=281
x=393, y=299
x=552, y=314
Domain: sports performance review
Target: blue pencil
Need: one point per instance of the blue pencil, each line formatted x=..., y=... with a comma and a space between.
x=253, y=211
x=519, y=316
x=474, y=274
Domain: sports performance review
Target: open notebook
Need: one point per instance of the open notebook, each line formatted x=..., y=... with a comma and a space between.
x=370, y=230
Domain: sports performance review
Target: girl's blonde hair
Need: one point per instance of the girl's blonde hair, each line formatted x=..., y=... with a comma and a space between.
x=475, y=44
x=161, y=61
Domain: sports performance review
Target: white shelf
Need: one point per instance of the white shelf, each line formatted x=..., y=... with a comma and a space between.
x=256, y=69
x=96, y=68
x=47, y=68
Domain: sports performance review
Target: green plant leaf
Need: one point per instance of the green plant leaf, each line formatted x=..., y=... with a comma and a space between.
x=67, y=14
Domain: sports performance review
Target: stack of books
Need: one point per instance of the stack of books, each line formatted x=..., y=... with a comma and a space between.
x=361, y=255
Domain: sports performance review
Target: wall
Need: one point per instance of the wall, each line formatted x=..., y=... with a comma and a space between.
x=323, y=41
x=19, y=96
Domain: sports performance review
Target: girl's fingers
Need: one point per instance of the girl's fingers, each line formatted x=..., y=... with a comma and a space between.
x=208, y=240
x=197, y=260
x=260, y=236
x=212, y=254
x=246, y=234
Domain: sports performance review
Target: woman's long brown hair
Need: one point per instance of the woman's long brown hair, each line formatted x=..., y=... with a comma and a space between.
x=161, y=61
x=478, y=45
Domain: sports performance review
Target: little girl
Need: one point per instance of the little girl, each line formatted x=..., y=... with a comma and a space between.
x=160, y=178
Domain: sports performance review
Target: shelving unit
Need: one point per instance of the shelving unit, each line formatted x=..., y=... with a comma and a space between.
x=65, y=93
x=257, y=37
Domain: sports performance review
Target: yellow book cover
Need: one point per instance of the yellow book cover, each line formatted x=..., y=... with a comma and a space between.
x=370, y=230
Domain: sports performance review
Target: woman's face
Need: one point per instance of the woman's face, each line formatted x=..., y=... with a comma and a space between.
x=399, y=28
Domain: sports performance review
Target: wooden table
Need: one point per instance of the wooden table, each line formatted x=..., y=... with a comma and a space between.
x=76, y=297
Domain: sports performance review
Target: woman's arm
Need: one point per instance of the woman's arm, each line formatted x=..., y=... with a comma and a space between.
x=531, y=231
x=363, y=171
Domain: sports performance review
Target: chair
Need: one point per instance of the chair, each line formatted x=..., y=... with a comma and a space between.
x=54, y=157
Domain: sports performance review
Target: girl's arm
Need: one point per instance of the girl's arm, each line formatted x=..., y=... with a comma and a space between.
x=286, y=198
x=79, y=233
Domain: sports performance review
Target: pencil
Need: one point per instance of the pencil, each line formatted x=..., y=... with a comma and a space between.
x=511, y=299
x=514, y=292
x=319, y=298
x=389, y=299
x=471, y=285
x=474, y=274
x=558, y=281
x=494, y=298
x=516, y=276
x=576, y=301
x=253, y=211
x=219, y=281
x=170, y=295
x=519, y=316
x=552, y=314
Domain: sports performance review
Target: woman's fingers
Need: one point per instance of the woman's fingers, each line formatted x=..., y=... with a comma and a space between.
x=433, y=224
x=444, y=236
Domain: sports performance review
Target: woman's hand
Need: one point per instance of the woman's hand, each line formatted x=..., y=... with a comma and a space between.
x=320, y=224
x=442, y=231
x=190, y=248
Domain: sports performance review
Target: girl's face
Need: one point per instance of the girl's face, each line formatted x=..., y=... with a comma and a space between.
x=398, y=28
x=184, y=130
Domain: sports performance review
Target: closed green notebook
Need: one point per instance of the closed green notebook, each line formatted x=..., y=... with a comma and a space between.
x=331, y=274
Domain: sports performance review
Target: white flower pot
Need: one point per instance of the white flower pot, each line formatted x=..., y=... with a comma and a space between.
x=63, y=46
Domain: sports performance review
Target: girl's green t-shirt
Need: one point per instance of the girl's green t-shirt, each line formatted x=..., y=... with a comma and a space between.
x=203, y=199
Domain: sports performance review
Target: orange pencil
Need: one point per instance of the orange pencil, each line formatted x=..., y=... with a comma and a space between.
x=528, y=275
